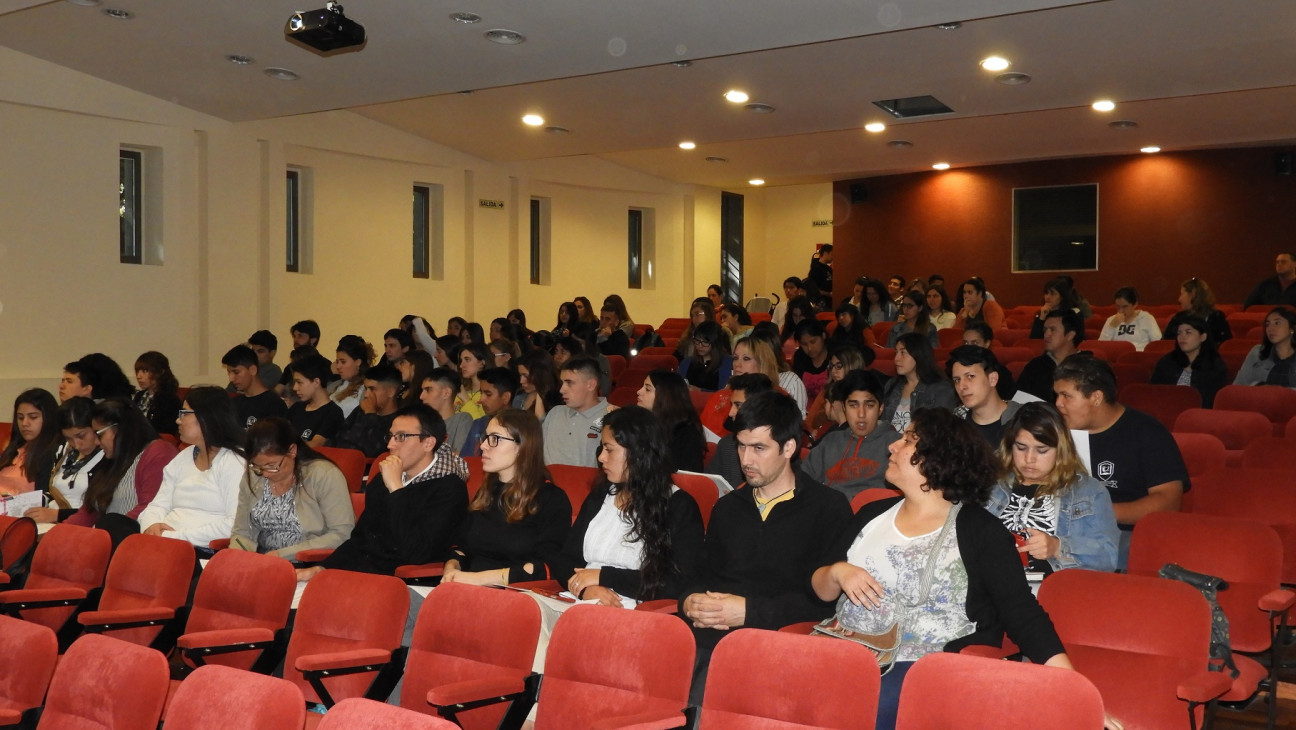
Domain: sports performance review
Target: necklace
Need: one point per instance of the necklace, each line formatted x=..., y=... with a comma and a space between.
x=763, y=505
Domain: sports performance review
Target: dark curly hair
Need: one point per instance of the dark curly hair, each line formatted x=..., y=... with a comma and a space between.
x=648, y=484
x=952, y=456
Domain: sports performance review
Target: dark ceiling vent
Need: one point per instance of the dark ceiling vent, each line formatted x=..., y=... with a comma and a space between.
x=913, y=106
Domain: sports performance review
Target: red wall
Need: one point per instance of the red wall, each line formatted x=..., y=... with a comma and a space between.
x=1220, y=215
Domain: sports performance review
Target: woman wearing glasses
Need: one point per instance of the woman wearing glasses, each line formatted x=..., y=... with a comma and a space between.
x=518, y=520
x=199, y=492
x=913, y=318
x=292, y=498
x=710, y=364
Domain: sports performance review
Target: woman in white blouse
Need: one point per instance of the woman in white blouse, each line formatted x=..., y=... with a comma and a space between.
x=199, y=492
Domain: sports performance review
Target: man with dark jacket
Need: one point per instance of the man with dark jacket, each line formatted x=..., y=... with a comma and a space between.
x=1276, y=289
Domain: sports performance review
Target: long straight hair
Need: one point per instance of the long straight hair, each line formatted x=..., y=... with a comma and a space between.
x=40, y=450
x=1044, y=424
x=517, y=499
x=133, y=434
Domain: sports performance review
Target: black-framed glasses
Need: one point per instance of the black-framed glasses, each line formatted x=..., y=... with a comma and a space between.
x=400, y=437
x=493, y=439
x=267, y=469
x=835, y=366
x=185, y=412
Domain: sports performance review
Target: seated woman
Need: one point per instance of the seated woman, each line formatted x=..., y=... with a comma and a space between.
x=1272, y=362
x=157, y=397
x=699, y=311
x=1130, y=323
x=454, y=328
x=709, y=365
x=74, y=462
x=504, y=354
x=770, y=360
x=518, y=520
x=913, y=319
x=1194, y=362
x=472, y=332
x=976, y=588
x=627, y=325
x=851, y=328
x=1059, y=294
x=939, y=310
x=354, y=358
x=842, y=359
x=667, y=396
x=199, y=492
x=798, y=310
x=1197, y=299
x=918, y=382
x=810, y=361
x=1062, y=516
x=315, y=416
x=473, y=358
x=879, y=306
x=28, y=459
x=568, y=318
x=292, y=498
x=637, y=536
x=538, y=389
x=977, y=307
x=588, y=314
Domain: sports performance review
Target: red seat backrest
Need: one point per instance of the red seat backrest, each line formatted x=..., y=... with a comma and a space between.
x=701, y=489
x=1162, y=402
x=1274, y=402
x=350, y=461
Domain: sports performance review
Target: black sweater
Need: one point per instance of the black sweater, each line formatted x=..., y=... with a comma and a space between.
x=488, y=542
x=684, y=521
x=770, y=563
x=1209, y=373
x=414, y=525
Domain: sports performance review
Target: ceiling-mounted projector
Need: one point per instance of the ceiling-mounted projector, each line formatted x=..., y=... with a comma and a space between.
x=326, y=29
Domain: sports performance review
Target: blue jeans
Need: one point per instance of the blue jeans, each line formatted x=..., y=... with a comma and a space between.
x=889, y=695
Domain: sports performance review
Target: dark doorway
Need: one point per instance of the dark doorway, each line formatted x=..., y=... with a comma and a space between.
x=731, y=246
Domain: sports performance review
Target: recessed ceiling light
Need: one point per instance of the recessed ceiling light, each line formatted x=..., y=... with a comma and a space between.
x=555, y=129
x=717, y=159
x=85, y=3
x=681, y=64
x=995, y=63
x=1123, y=124
x=687, y=145
x=955, y=25
x=1150, y=149
x=736, y=96
x=941, y=166
x=900, y=144
x=1104, y=105
x=465, y=18
x=118, y=13
x=238, y=60
x=1013, y=78
x=281, y=74
x=875, y=127
x=758, y=108
x=755, y=181
x=504, y=37
x=532, y=120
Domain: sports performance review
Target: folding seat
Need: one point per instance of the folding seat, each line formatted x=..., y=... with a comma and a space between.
x=887, y=367
x=1270, y=452
x=30, y=652
x=1202, y=453
x=655, y=352
x=104, y=682
x=699, y=399
x=616, y=668
x=1235, y=429
x=361, y=714
x=1238, y=345
x=67, y=573
x=475, y=475
x=1131, y=373
x=872, y=495
x=616, y=364
x=1249, y=558
x=700, y=488
x=950, y=337
x=145, y=592
x=1146, y=359
x=575, y=481
x=1241, y=322
x=1143, y=642
x=346, y=639
x=1014, y=354
x=881, y=330
x=1266, y=496
x=17, y=540
x=1015, y=337
x=351, y=462
x=625, y=395
x=1275, y=402
x=1110, y=350
x=216, y=697
x=1159, y=347
x=763, y=678
x=1162, y=402
x=954, y=690
x=471, y=655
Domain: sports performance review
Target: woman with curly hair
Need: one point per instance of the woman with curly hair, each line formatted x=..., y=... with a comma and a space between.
x=637, y=537
x=353, y=359
x=933, y=563
x=158, y=396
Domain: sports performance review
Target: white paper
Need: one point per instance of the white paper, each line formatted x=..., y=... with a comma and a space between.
x=16, y=505
x=1081, y=439
x=721, y=483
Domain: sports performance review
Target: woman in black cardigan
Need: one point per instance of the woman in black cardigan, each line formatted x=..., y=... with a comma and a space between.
x=637, y=537
x=1194, y=359
x=666, y=394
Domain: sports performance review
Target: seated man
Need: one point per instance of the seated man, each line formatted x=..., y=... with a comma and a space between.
x=1131, y=453
x=438, y=392
x=254, y=401
x=853, y=459
x=572, y=430
x=396, y=342
x=724, y=462
x=414, y=506
x=612, y=340
x=367, y=426
x=305, y=332
x=315, y=417
x=980, y=334
x=765, y=538
x=1276, y=289
x=265, y=345
x=975, y=374
x=497, y=388
x=1063, y=333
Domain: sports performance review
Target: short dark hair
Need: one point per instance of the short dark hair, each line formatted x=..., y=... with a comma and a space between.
x=240, y=356
x=1128, y=293
x=809, y=326
x=307, y=327
x=856, y=380
x=969, y=355
x=896, y=277
x=313, y=367
x=586, y=366
x=1089, y=373
x=102, y=375
x=981, y=328
x=826, y=248
x=977, y=284
x=430, y=422
x=444, y=376
x=402, y=337
x=773, y=410
x=502, y=379
x=1071, y=322
x=953, y=456
x=793, y=280
x=384, y=372
x=751, y=383
x=264, y=338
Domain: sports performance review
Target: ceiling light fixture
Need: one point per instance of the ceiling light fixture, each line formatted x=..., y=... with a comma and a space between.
x=1123, y=124
x=1104, y=105
x=900, y=144
x=1150, y=149
x=995, y=63
x=681, y=64
x=118, y=13
x=756, y=181
x=465, y=18
x=688, y=145
x=717, y=159
x=941, y=166
x=281, y=74
x=85, y=3
x=238, y=60
x=758, y=108
x=532, y=120
x=504, y=37
x=1013, y=78
x=736, y=96
x=954, y=25
x=875, y=127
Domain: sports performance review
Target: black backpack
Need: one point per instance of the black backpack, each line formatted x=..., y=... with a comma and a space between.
x=1221, y=651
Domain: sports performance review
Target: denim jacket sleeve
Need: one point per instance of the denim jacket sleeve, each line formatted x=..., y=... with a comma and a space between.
x=1087, y=530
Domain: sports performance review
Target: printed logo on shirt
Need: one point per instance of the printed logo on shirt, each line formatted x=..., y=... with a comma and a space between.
x=595, y=429
x=1125, y=329
x=307, y=434
x=250, y=420
x=1105, y=471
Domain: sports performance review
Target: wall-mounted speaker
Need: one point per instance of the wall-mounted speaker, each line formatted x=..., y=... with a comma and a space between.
x=858, y=193
x=1282, y=165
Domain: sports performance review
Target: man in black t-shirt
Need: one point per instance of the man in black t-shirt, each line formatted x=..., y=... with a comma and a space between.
x=1131, y=453
x=1063, y=333
x=254, y=401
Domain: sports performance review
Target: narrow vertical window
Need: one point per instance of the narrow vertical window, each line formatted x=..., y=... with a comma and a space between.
x=535, y=240
x=422, y=224
x=131, y=200
x=634, y=240
x=539, y=240
x=292, y=238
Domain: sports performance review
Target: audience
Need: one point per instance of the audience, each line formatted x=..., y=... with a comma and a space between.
x=1273, y=362
x=978, y=306
x=913, y=319
x=768, y=361
x=792, y=288
x=841, y=360
x=74, y=462
x=617, y=304
x=918, y=382
x=1059, y=296
x=1194, y=362
x=586, y=311
x=852, y=329
x=709, y=366
x=978, y=334
x=938, y=308
x=264, y=344
x=810, y=361
x=1278, y=288
x=95, y=376
x=571, y=430
x=666, y=395
x=413, y=368
x=396, y=344
x=735, y=319
x=28, y=459
x=158, y=395
x=700, y=311
x=473, y=358
x=537, y=383
x=568, y=324
x=852, y=459
x=879, y=305
x=724, y=461
x=305, y=333
x=1130, y=323
x=438, y=393
x=611, y=338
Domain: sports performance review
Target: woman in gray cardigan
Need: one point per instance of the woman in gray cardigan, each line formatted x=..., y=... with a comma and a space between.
x=1272, y=362
x=918, y=382
x=292, y=498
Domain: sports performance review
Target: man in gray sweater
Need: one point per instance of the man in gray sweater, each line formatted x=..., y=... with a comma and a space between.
x=854, y=458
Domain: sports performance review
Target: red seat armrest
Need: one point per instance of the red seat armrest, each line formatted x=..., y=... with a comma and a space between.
x=1277, y=600
x=662, y=605
x=804, y=627
x=473, y=690
x=317, y=555
x=426, y=570
x=221, y=544
x=4, y=578
x=42, y=594
x=224, y=637
x=643, y=721
x=982, y=650
x=9, y=717
x=342, y=659
x=1204, y=687
x=125, y=615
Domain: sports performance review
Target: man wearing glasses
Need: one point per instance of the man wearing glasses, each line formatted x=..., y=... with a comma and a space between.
x=413, y=507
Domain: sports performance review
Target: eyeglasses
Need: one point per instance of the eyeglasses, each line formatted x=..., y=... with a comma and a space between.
x=101, y=431
x=501, y=354
x=697, y=342
x=263, y=470
x=400, y=437
x=185, y=412
x=493, y=439
x=835, y=366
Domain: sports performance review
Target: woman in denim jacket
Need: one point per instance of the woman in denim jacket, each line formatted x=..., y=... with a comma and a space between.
x=1062, y=516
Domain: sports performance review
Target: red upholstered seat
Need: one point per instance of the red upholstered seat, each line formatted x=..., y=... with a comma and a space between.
x=351, y=462
x=1144, y=643
x=871, y=495
x=655, y=352
x=1271, y=452
x=1148, y=358
x=1110, y=350
x=625, y=395
x=146, y=586
x=615, y=667
x=217, y=698
x=771, y=679
x=1131, y=373
x=1014, y=354
x=243, y=599
x=1202, y=453
x=1162, y=402
x=17, y=539
x=1266, y=496
x=701, y=489
x=106, y=683
x=949, y=338
x=361, y=714
x=616, y=364
x=1235, y=429
x=476, y=476
x=68, y=565
x=1159, y=347
x=575, y=481
x=1274, y=402
x=472, y=644
x=30, y=652
x=944, y=690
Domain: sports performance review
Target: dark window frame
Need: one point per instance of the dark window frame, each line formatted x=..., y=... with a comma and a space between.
x=634, y=248
x=422, y=228
x=131, y=206
x=292, y=234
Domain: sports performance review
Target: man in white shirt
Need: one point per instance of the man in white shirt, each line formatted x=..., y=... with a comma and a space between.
x=572, y=430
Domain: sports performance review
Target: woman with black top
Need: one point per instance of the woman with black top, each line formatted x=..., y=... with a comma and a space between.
x=852, y=329
x=667, y=396
x=810, y=361
x=699, y=311
x=1194, y=361
x=28, y=459
x=637, y=536
x=1059, y=294
x=518, y=520
x=568, y=319
x=710, y=364
x=158, y=396
x=1197, y=299
x=538, y=383
x=879, y=307
x=799, y=310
